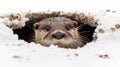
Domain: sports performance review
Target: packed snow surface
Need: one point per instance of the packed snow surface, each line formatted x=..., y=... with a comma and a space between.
x=104, y=52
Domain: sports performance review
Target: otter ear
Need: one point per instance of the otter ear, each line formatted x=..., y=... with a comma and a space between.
x=75, y=24
x=36, y=25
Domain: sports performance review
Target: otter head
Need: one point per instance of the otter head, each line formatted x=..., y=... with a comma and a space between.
x=59, y=31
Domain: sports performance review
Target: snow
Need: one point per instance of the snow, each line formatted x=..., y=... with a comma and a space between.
x=102, y=53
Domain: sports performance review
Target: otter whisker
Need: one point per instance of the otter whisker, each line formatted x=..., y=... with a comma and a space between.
x=79, y=43
x=84, y=39
x=75, y=44
x=72, y=45
x=80, y=27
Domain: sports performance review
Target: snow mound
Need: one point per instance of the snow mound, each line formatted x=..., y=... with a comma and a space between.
x=102, y=51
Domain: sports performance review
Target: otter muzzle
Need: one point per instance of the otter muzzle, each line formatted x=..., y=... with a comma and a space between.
x=58, y=35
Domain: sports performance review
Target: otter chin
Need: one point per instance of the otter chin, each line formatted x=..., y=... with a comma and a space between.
x=59, y=31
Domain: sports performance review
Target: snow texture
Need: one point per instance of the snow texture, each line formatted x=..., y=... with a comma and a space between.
x=104, y=52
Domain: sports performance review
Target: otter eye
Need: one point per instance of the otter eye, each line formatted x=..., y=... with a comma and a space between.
x=68, y=27
x=47, y=28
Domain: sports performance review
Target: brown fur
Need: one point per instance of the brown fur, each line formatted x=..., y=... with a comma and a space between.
x=72, y=37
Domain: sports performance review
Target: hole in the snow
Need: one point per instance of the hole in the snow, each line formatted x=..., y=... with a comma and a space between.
x=70, y=30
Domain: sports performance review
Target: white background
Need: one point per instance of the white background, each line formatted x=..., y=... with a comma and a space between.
x=58, y=5
x=35, y=55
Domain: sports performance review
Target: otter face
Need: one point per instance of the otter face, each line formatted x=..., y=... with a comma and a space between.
x=59, y=31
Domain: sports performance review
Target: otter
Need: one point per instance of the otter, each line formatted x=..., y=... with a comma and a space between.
x=64, y=30
x=59, y=31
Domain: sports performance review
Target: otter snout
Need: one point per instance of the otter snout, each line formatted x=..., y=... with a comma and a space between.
x=58, y=35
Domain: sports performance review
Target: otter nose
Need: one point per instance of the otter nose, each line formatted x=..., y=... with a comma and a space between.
x=58, y=35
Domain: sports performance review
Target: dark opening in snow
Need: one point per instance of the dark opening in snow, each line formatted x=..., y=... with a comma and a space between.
x=88, y=24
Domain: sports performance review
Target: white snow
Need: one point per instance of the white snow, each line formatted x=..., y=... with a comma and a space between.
x=18, y=53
